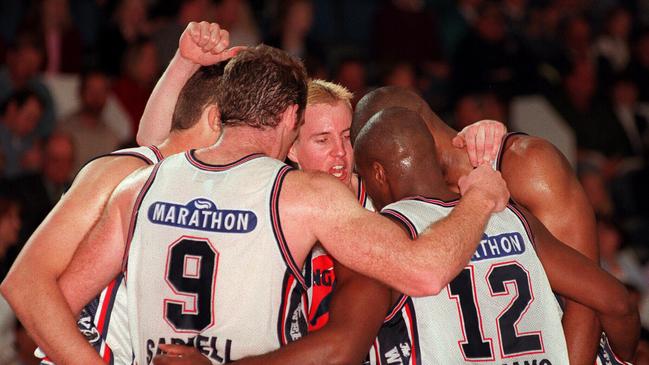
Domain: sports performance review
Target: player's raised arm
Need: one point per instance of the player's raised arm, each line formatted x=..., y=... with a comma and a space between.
x=574, y=276
x=377, y=247
x=201, y=44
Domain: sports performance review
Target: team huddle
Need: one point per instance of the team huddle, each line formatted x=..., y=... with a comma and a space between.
x=418, y=245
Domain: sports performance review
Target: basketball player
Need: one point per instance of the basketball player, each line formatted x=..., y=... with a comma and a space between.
x=540, y=179
x=222, y=227
x=505, y=308
x=31, y=286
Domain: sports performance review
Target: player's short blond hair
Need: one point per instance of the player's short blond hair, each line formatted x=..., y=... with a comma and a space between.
x=325, y=92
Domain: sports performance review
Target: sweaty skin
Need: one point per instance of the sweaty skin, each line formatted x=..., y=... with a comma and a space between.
x=539, y=178
x=383, y=147
x=323, y=145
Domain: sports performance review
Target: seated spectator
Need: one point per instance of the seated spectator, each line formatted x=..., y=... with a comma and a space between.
x=19, y=117
x=62, y=40
x=139, y=74
x=474, y=107
x=128, y=25
x=89, y=132
x=24, y=62
x=38, y=192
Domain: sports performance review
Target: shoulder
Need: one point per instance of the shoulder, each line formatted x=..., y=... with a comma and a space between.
x=528, y=157
x=107, y=172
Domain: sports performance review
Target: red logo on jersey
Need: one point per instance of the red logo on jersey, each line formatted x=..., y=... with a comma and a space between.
x=321, y=288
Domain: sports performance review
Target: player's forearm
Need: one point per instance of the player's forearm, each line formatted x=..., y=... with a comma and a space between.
x=348, y=335
x=44, y=312
x=623, y=331
x=156, y=119
x=446, y=247
x=582, y=332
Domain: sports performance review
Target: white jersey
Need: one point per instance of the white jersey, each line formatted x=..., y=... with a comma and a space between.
x=207, y=263
x=321, y=277
x=104, y=320
x=499, y=310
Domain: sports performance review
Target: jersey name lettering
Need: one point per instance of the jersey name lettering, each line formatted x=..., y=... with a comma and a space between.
x=202, y=214
x=502, y=245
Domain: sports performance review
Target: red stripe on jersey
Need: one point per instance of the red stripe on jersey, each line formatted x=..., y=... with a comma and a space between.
x=136, y=210
x=216, y=168
x=277, y=227
x=397, y=307
x=403, y=220
x=413, y=338
x=157, y=153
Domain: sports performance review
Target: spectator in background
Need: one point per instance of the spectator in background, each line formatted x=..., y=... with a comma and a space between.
x=473, y=107
x=140, y=72
x=166, y=38
x=19, y=116
x=236, y=16
x=292, y=33
x=39, y=191
x=89, y=132
x=639, y=66
x=63, y=48
x=491, y=58
x=616, y=258
x=10, y=224
x=613, y=44
x=9, y=228
x=129, y=24
x=631, y=115
x=588, y=114
x=401, y=74
x=351, y=73
x=24, y=62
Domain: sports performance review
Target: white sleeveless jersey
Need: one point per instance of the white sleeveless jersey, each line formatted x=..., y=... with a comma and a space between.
x=207, y=262
x=499, y=310
x=104, y=320
x=320, y=275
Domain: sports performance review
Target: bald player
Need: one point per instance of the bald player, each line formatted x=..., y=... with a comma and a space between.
x=539, y=178
x=31, y=285
x=397, y=158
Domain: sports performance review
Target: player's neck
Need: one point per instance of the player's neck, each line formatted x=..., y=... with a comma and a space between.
x=429, y=188
x=240, y=141
x=454, y=162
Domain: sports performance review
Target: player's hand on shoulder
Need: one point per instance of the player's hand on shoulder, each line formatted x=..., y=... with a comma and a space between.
x=180, y=355
x=482, y=140
x=489, y=183
x=206, y=44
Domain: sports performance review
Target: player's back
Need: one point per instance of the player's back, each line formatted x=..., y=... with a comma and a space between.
x=207, y=261
x=500, y=309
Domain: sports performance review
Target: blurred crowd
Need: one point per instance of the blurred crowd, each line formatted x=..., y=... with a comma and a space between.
x=75, y=76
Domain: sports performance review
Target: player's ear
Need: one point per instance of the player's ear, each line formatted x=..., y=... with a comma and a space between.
x=292, y=152
x=213, y=117
x=379, y=173
x=289, y=117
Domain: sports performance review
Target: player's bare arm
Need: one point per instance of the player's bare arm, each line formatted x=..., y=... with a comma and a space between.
x=97, y=261
x=574, y=276
x=51, y=247
x=201, y=44
x=541, y=179
x=381, y=249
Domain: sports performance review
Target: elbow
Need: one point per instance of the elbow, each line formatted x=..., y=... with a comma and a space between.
x=140, y=139
x=9, y=287
x=423, y=284
x=344, y=352
x=626, y=306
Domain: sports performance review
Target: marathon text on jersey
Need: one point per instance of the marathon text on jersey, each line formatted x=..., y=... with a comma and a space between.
x=502, y=245
x=202, y=214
